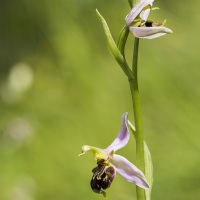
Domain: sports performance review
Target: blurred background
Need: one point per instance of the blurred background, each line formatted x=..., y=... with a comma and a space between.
x=60, y=89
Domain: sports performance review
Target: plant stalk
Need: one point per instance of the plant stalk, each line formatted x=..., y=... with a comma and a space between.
x=133, y=82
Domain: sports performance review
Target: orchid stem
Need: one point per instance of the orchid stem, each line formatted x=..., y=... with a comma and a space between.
x=133, y=82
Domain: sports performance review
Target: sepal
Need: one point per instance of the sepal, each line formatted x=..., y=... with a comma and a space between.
x=149, y=32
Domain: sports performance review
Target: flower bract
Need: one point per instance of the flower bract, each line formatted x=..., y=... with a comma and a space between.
x=109, y=164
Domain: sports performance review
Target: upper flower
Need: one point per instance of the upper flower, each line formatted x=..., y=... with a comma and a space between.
x=140, y=26
x=109, y=163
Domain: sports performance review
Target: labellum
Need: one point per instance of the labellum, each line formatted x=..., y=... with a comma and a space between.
x=103, y=175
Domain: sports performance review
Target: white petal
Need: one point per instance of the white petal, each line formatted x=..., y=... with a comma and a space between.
x=136, y=10
x=129, y=171
x=145, y=14
x=123, y=136
x=149, y=32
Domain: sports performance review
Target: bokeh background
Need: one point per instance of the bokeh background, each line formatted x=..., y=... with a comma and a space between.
x=60, y=89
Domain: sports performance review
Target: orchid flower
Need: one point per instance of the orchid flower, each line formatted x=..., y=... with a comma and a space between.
x=140, y=26
x=109, y=164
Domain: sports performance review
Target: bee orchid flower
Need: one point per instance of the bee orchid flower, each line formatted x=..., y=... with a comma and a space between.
x=109, y=164
x=140, y=26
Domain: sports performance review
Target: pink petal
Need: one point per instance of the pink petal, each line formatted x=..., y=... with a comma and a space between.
x=129, y=171
x=123, y=136
x=145, y=14
x=149, y=32
x=136, y=10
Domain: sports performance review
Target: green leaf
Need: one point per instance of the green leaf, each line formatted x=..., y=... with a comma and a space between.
x=122, y=40
x=148, y=170
x=113, y=48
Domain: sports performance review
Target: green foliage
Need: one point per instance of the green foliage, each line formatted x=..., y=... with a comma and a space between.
x=148, y=171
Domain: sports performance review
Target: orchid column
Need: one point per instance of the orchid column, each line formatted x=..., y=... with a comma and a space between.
x=108, y=163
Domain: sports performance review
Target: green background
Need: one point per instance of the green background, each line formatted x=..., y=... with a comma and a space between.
x=60, y=89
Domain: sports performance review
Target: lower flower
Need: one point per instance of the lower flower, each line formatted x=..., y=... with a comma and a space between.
x=109, y=164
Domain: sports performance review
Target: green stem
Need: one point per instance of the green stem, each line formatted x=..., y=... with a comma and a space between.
x=137, y=114
x=133, y=82
x=121, y=43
